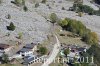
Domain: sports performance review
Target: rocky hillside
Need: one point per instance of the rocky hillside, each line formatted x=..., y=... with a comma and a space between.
x=33, y=24
x=30, y=25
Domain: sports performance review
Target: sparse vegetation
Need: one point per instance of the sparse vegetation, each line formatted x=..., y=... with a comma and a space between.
x=80, y=14
x=85, y=9
x=20, y=35
x=44, y=1
x=11, y=27
x=5, y=58
x=18, y=2
x=8, y=16
x=0, y=1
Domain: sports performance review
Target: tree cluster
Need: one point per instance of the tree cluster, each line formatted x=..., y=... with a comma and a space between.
x=80, y=29
x=85, y=9
x=95, y=51
x=44, y=1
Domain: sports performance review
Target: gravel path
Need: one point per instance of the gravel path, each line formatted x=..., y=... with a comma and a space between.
x=53, y=54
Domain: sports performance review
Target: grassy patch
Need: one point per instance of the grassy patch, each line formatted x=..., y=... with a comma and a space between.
x=69, y=38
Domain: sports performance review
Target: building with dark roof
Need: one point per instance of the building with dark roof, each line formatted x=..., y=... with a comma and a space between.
x=32, y=46
x=82, y=49
x=25, y=52
x=33, y=59
x=28, y=49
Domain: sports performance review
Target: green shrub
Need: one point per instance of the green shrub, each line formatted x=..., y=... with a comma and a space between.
x=5, y=58
x=63, y=8
x=63, y=23
x=11, y=27
x=42, y=50
x=44, y=1
x=80, y=14
x=66, y=51
x=18, y=2
x=36, y=5
x=25, y=8
x=53, y=18
x=83, y=8
x=95, y=51
x=20, y=35
x=86, y=9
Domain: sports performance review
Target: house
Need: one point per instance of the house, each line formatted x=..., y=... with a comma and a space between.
x=28, y=60
x=25, y=52
x=4, y=48
x=75, y=52
x=28, y=49
x=31, y=46
x=82, y=49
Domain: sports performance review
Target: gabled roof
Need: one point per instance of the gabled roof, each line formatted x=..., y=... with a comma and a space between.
x=29, y=46
x=81, y=49
x=24, y=50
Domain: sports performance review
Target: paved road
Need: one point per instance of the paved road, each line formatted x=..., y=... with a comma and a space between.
x=53, y=54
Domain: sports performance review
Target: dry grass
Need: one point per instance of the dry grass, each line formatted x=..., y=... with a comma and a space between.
x=68, y=39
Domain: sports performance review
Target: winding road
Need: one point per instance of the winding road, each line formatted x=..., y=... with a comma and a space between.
x=53, y=54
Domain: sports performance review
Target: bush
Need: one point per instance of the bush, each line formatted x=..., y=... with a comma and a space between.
x=53, y=18
x=63, y=8
x=95, y=51
x=20, y=35
x=42, y=50
x=5, y=58
x=90, y=38
x=80, y=14
x=18, y=2
x=36, y=5
x=25, y=8
x=11, y=27
x=66, y=51
x=86, y=9
x=63, y=23
x=44, y=1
